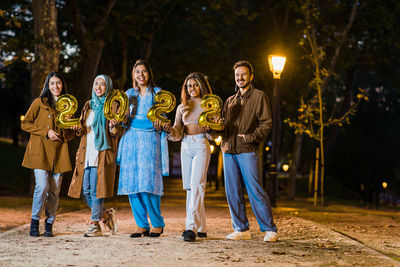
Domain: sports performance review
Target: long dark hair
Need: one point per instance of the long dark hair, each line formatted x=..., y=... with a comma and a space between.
x=203, y=83
x=151, y=83
x=46, y=90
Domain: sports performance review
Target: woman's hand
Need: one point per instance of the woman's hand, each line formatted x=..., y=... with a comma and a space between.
x=76, y=128
x=217, y=119
x=167, y=127
x=53, y=135
x=113, y=122
x=205, y=129
x=158, y=125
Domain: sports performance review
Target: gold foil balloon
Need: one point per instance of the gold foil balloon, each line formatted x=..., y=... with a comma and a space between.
x=166, y=103
x=213, y=106
x=66, y=106
x=122, y=98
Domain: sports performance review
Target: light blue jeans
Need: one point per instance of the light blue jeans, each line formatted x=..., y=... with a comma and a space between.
x=242, y=171
x=143, y=204
x=46, y=192
x=89, y=185
x=195, y=157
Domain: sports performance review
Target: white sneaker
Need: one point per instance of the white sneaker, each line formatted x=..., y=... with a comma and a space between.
x=270, y=236
x=239, y=235
x=110, y=220
x=94, y=230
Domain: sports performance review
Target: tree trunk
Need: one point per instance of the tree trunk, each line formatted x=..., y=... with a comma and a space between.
x=47, y=44
x=91, y=41
x=47, y=48
x=293, y=168
x=121, y=80
x=91, y=54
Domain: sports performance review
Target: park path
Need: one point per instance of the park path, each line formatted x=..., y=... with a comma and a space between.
x=301, y=242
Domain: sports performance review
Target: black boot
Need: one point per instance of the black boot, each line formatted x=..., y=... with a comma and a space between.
x=48, y=229
x=34, y=228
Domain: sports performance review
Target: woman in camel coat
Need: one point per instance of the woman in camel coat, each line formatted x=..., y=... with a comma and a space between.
x=47, y=152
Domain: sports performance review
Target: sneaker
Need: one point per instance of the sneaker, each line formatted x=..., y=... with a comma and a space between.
x=110, y=220
x=94, y=230
x=189, y=236
x=270, y=236
x=239, y=235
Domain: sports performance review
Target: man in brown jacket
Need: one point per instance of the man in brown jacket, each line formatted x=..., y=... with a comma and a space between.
x=247, y=122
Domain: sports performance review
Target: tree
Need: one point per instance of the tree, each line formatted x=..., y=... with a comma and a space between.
x=16, y=53
x=313, y=118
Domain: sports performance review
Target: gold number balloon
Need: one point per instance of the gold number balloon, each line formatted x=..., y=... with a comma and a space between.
x=122, y=98
x=66, y=106
x=166, y=102
x=213, y=106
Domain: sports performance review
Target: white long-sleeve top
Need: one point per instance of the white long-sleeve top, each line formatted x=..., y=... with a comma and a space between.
x=92, y=154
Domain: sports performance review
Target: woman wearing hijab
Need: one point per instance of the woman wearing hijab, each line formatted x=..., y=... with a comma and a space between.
x=94, y=174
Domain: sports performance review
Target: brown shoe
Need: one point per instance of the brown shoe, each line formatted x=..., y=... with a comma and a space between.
x=109, y=219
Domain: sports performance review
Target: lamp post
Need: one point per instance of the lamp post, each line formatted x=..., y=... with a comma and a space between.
x=276, y=65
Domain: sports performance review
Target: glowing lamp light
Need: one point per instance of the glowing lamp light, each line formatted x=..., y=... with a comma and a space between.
x=218, y=140
x=212, y=148
x=22, y=117
x=267, y=148
x=384, y=185
x=276, y=65
x=285, y=167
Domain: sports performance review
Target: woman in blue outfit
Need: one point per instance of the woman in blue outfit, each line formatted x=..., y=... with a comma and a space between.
x=143, y=155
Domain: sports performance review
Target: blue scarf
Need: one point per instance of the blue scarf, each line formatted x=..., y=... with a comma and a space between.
x=99, y=125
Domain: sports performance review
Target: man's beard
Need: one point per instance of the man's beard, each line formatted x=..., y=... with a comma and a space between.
x=245, y=85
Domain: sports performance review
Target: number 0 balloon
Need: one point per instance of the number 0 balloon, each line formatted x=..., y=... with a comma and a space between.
x=66, y=106
x=122, y=98
x=166, y=102
x=213, y=106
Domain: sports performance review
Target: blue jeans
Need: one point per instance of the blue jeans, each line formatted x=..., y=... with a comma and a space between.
x=47, y=188
x=195, y=157
x=89, y=193
x=242, y=171
x=143, y=204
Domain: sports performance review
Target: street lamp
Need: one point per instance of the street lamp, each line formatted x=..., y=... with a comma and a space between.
x=276, y=65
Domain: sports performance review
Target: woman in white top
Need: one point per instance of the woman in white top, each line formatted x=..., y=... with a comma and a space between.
x=195, y=152
x=94, y=174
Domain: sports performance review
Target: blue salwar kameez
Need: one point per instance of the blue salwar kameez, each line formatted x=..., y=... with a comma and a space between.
x=143, y=159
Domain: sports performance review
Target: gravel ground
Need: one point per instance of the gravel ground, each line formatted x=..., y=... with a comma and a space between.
x=302, y=242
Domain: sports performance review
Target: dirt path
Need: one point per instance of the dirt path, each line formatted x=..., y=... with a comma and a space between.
x=301, y=242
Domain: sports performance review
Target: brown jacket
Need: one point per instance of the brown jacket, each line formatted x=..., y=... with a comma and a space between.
x=41, y=152
x=106, y=163
x=247, y=114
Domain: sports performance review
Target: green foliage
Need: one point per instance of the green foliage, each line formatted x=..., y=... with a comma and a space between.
x=308, y=121
x=15, y=32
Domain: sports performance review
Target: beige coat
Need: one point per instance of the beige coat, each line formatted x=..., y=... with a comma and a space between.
x=41, y=152
x=106, y=167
